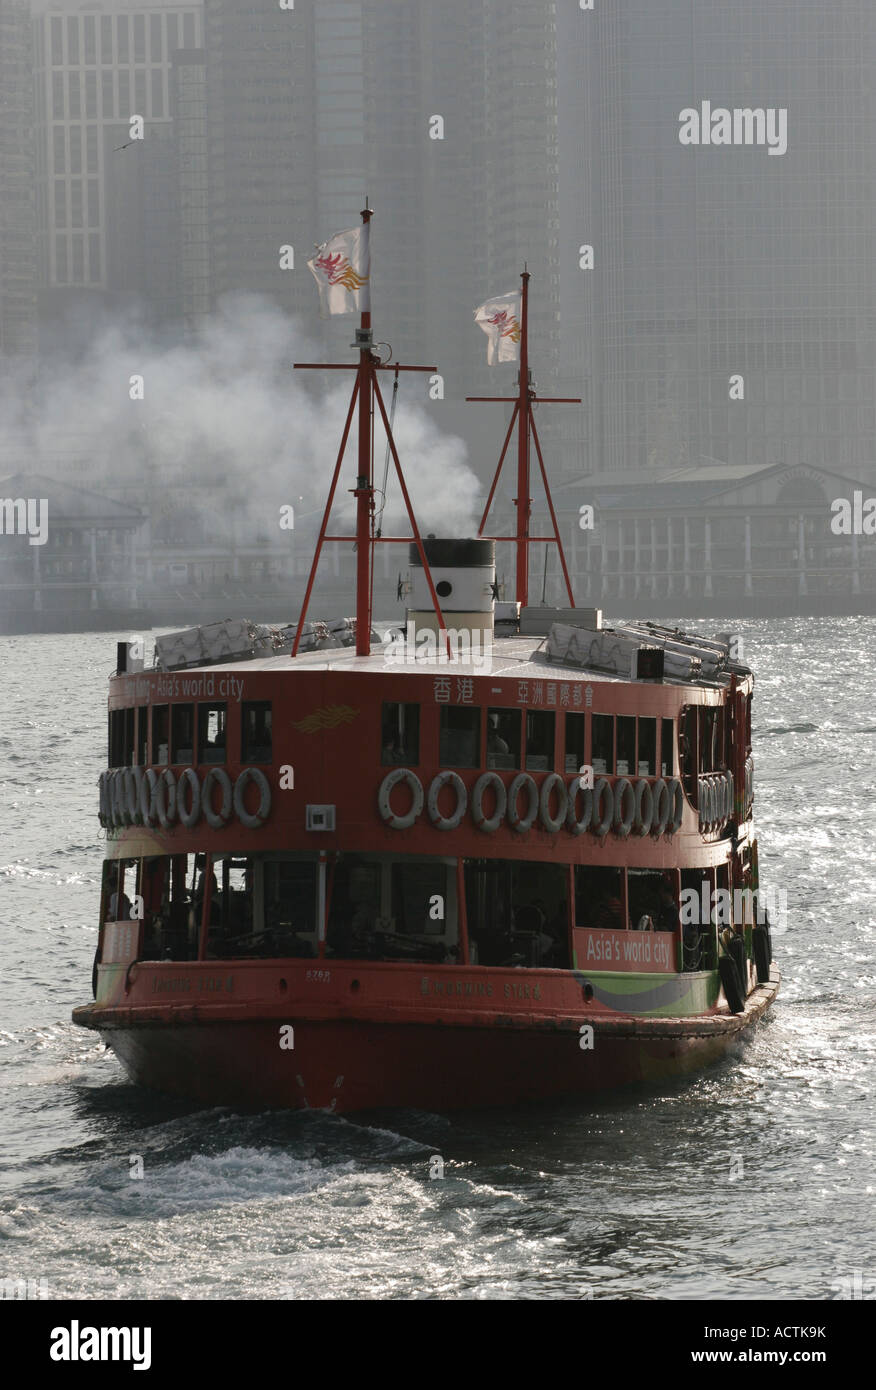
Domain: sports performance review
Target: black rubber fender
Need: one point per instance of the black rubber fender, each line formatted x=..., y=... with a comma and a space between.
x=732, y=984
x=760, y=938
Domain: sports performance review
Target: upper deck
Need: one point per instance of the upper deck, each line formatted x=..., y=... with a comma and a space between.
x=326, y=739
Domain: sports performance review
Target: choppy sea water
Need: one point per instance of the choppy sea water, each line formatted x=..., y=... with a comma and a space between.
x=754, y=1180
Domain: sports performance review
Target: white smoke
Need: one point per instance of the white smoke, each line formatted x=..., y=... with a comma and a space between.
x=226, y=428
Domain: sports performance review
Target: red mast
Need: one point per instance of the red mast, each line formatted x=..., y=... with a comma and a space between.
x=524, y=416
x=366, y=390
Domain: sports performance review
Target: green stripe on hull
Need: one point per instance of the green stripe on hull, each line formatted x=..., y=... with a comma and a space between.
x=652, y=995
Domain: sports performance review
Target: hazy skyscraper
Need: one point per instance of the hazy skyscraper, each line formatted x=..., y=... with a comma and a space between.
x=17, y=210
x=96, y=68
x=723, y=261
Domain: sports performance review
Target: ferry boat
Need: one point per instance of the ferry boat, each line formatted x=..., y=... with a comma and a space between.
x=496, y=854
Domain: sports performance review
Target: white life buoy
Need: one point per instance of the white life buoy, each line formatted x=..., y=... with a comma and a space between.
x=217, y=776
x=711, y=803
x=578, y=824
x=644, y=807
x=116, y=791
x=188, y=816
x=494, y=781
x=662, y=807
x=553, y=783
x=247, y=818
x=384, y=795
x=603, y=807
x=147, y=796
x=133, y=785
x=522, y=781
x=623, y=815
x=677, y=793
x=165, y=799
x=126, y=795
x=447, y=779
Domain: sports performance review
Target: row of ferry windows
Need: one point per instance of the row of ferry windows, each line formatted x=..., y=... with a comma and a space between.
x=188, y=733
x=518, y=738
x=518, y=913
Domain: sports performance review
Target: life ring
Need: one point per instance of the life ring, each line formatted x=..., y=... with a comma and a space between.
x=732, y=984
x=553, y=783
x=384, y=795
x=677, y=792
x=217, y=776
x=603, y=807
x=707, y=806
x=447, y=779
x=644, y=807
x=188, y=817
x=115, y=795
x=165, y=799
x=133, y=783
x=247, y=818
x=662, y=807
x=489, y=824
x=578, y=824
x=622, y=823
x=147, y=796
x=125, y=814
x=103, y=799
x=521, y=781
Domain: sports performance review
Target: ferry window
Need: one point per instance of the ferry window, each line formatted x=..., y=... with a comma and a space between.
x=698, y=933
x=666, y=760
x=488, y=907
x=182, y=727
x=652, y=905
x=517, y=913
x=539, y=740
x=415, y=886
x=256, y=737
x=574, y=742
x=603, y=743
x=459, y=741
x=233, y=922
x=708, y=732
x=400, y=734
x=212, y=721
x=626, y=745
x=142, y=730
x=117, y=738
x=354, y=913
x=503, y=737
x=122, y=891
x=598, y=897
x=159, y=733
x=646, y=761
x=687, y=750
x=290, y=907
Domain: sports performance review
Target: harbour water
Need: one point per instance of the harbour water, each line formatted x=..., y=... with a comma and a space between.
x=754, y=1180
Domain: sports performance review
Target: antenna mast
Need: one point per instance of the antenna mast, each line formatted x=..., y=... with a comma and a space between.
x=524, y=417
x=366, y=390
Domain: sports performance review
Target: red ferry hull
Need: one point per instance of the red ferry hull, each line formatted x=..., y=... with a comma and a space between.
x=346, y=1065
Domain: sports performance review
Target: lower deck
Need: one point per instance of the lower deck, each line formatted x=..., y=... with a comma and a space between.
x=435, y=910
